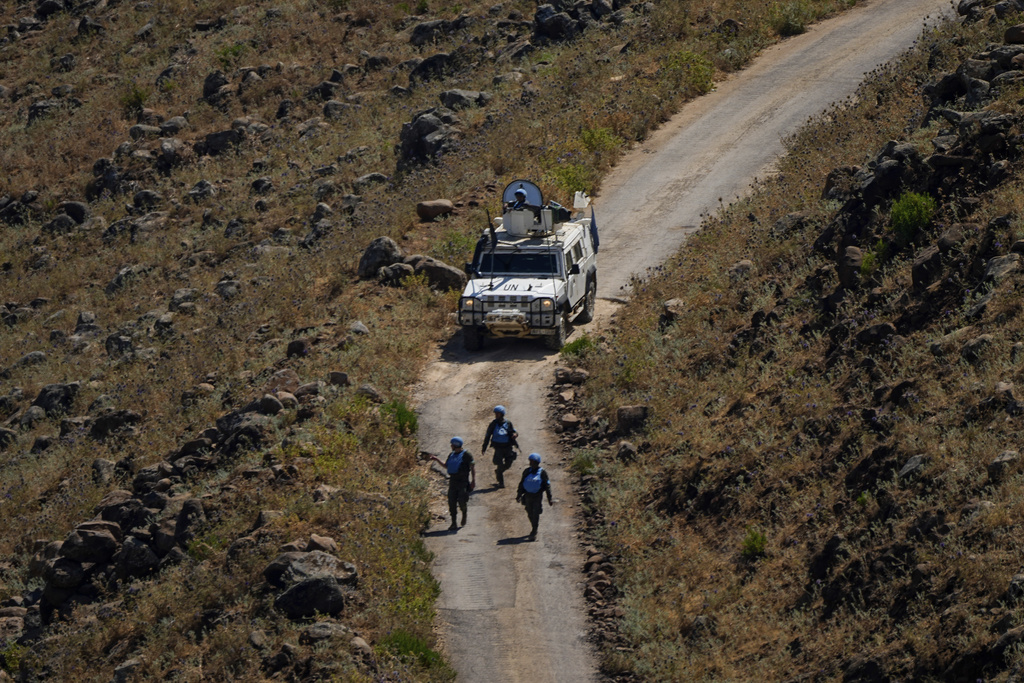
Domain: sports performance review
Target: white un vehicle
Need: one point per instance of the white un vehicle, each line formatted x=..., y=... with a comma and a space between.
x=533, y=271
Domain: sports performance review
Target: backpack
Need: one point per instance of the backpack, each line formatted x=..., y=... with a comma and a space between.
x=532, y=481
x=454, y=462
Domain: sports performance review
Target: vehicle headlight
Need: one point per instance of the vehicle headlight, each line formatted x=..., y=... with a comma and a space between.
x=542, y=305
x=469, y=303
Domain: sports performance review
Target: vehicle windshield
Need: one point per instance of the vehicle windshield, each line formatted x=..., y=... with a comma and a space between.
x=519, y=263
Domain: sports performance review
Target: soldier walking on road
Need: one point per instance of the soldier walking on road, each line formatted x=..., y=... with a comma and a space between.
x=532, y=488
x=461, y=480
x=502, y=436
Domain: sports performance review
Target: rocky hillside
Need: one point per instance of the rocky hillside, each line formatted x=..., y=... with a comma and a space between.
x=225, y=238
x=209, y=465
x=800, y=442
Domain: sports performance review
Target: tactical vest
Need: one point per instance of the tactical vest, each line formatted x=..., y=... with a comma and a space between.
x=532, y=482
x=502, y=433
x=454, y=462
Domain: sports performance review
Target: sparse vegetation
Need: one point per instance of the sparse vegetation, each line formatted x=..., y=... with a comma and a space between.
x=754, y=544
x=580, y=346
x=405, y=418
x=339, y=465
x=791, y=18
x=910, y=214
x=405, y=644
x=867, y=461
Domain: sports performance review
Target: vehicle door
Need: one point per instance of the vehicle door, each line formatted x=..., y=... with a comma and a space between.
x=577, y=276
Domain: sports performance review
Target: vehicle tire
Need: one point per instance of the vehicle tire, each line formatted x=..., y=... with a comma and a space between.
x=472, y=339
x=556, y=341
x=589, y=304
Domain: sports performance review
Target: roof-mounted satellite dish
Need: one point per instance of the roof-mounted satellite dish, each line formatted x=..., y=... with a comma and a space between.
x=533, y=193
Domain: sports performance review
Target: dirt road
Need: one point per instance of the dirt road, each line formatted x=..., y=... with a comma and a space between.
x=512, y=610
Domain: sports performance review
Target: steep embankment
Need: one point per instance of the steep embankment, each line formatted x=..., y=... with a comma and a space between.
x=826, y=484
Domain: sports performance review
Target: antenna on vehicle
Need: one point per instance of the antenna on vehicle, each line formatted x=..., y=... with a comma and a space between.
x=494, y=244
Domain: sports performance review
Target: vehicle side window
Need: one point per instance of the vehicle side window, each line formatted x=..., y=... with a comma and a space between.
x=577, y=252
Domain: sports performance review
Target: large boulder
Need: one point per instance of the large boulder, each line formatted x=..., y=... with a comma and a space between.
x=92, y=542
x=553, y=24
x=429, y=134
x=320, y=595
x=440, y=275
x=64, y=573
x=429, y=31
x=927, y=266
x=434, y=208
x=191, y=517
x=464, y=99
x=291, y=568
x=135, y=559
x=433, y=67
x=56, y=399
x=382, y=252
x=219, y=142
x=631, y=418
x=114, y=422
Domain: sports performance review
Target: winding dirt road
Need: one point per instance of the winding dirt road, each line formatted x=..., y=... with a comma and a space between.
x=512, y=610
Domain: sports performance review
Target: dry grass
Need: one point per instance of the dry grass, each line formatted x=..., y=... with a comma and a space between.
x=769, y=437
x=593, y=100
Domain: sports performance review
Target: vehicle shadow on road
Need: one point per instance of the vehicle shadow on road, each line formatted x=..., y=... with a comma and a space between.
x=514, y=540
x=511, y=348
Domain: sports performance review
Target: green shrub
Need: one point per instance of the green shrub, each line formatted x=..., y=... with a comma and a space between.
x=404, y=644
x=792, y=18
x=454, y=246
x=911, y=213
x=579, y=347
x=10, y=656
x=753, y=544
x=583, y=462
x=689, y=72
x=572, y=177
x=405, y=418
x=133, y=100
x=600, y=140
x=869, y=263
x=230, y=54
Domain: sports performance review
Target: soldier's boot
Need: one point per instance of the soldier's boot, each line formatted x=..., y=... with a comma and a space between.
x=499, y=476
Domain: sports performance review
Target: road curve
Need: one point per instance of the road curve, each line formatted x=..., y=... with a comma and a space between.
x=512, y=610
x=718, y=144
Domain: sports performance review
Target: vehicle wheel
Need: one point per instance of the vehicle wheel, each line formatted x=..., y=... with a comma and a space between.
x=589, y=304
x=556, y=341
x=472, y=339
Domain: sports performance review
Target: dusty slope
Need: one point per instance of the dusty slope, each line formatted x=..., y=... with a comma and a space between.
x=511, y=611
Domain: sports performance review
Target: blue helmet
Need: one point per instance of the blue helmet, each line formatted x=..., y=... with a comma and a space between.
x=520, y=193
x=499, y=409
x=457, y=441
x=535, y=457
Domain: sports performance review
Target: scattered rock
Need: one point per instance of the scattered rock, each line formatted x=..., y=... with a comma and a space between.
x=1000, y=468
x=630, y=418
x=381, y=252
x=434, y=208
